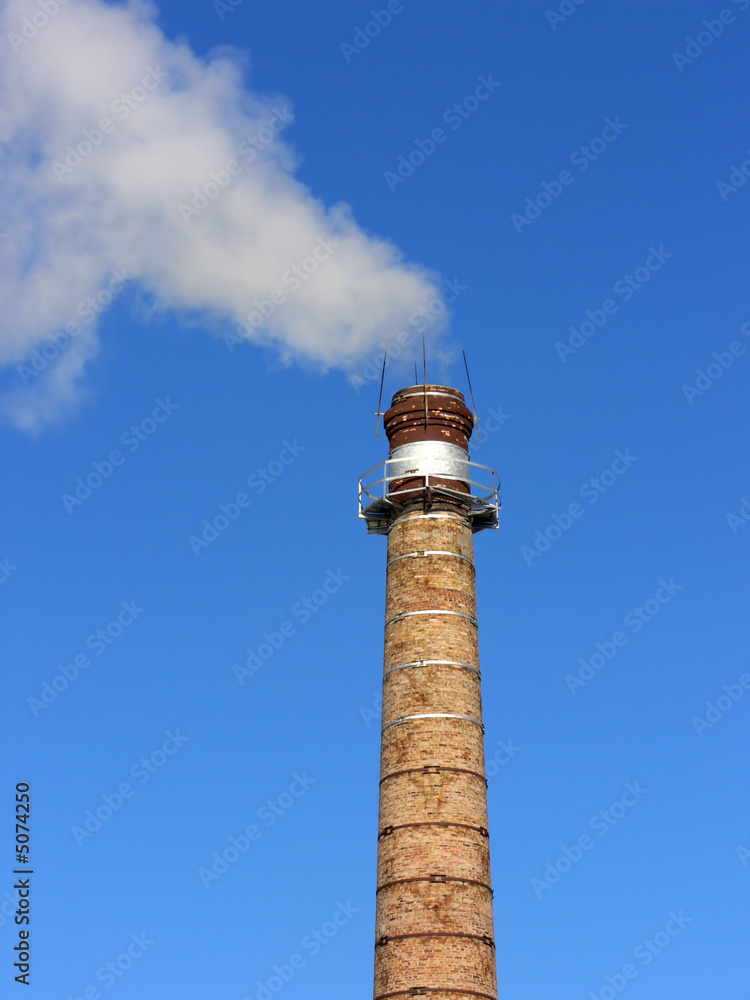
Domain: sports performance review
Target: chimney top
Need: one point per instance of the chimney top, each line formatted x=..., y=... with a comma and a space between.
x=428, y=413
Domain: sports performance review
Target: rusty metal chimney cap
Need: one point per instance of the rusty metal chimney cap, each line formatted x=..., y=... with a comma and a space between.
x=428, y=413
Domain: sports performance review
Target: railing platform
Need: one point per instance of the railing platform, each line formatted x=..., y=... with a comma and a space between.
x=379, y=505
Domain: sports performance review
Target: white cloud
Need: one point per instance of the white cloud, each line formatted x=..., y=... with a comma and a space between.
x=115, y=145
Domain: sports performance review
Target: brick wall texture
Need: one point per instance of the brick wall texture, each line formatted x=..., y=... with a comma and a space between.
x=434, y=933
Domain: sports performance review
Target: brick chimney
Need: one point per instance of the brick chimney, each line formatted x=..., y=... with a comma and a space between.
x=434, y=927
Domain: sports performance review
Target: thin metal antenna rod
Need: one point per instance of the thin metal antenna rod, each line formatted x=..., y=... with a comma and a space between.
x=424, y=363
x=416, y=377
x=471, y=391
x=378, y=415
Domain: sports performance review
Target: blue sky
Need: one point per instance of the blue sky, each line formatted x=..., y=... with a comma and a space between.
x=638, y=418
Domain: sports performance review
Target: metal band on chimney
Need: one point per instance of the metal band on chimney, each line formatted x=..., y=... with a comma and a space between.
x=430, y=663
x=416, y=991
x=432, y=715
x=439, y=514
x=433, y=769
x=430, y=552
x=436, y=880
x=388, y=830
x=431, y=611
x=387, y=938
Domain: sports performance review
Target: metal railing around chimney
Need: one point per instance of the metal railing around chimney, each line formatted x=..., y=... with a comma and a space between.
x=378, y=503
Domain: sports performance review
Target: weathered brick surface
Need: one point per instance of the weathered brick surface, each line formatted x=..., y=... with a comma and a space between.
x=453, y=537
x=432, y=688
x=430, y=581
x=449, y=850
x=433, y=773
x=433, y=741
x=462, y=963
x=423, y=798
x=428, y=637
x=426, y=907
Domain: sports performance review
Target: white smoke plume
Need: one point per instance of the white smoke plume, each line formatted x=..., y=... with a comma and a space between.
x=126, y=160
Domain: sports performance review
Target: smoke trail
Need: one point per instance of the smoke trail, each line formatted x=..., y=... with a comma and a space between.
x=123, y=151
